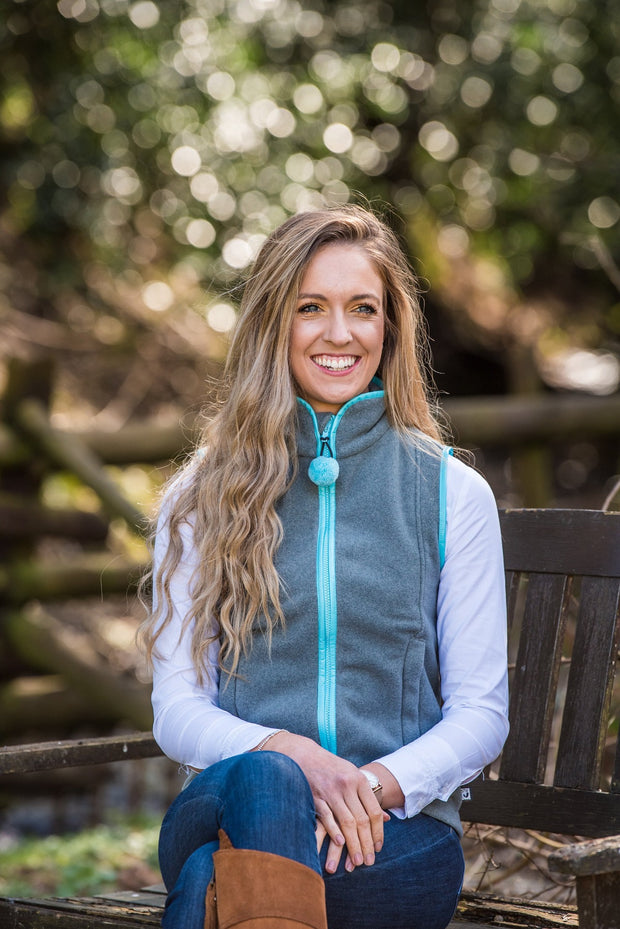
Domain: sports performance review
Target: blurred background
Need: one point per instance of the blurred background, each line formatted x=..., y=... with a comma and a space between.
x=147, y=150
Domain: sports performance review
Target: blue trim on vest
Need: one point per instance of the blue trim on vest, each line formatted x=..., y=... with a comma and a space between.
x=326, y=576
x=447, y=451
x=326, y=600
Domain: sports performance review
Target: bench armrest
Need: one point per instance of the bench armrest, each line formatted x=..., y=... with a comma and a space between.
x=596, y=867
x=596, y=856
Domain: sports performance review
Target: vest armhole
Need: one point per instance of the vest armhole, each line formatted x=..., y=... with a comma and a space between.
x=446, y=452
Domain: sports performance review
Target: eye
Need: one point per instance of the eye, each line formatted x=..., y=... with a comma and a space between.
x=307, y=309
x=365, y=309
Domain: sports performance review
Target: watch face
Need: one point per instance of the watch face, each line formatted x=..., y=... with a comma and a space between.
x=372, y=779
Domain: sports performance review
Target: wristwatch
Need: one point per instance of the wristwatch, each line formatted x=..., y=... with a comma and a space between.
x=375, y=784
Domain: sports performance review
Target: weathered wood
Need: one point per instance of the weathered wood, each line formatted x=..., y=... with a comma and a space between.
x=535, y=679
x=46, y=704
x=72, y=454
x=154, y=895
x=495, y=910
x=596, y=866
x=26, y=379
x=25, y=519
x=512, y=420
x=562, y=541
x=601, y=856
x=76, y=914
x=477, y=422
x=141, y=910
x=513, y=591
x=615, y=777
x=38, y=638
x=146, y=442
x=590, y=685
x=590, y=813
x=45, y=756
x=86, y=576
x=598, y=901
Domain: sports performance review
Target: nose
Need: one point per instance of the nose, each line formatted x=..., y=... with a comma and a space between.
x=337, y=330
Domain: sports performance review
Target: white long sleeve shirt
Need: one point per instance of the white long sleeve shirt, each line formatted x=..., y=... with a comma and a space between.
x=191, y=728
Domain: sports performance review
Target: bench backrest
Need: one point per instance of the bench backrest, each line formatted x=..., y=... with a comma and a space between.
x=560, y=768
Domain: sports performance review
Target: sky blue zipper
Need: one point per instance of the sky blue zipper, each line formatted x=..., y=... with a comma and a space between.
x=326, y=580
x=327, y=604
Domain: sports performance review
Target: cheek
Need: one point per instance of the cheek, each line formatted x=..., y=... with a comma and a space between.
x=296, y=351
x=378, y=340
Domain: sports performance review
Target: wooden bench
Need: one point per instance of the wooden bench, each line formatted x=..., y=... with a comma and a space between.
x=563, y=587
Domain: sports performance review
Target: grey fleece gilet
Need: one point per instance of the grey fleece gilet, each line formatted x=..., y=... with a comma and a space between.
x=356, y=667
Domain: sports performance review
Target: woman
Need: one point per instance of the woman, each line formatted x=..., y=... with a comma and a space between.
x=328, y=636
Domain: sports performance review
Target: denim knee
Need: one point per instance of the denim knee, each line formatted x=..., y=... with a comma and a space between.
x=269, y=807
x=260, y=774
x=262, y=800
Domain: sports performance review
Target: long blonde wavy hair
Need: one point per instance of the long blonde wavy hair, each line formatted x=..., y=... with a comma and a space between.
x=229, y=494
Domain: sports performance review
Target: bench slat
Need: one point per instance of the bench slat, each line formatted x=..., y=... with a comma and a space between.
x=513, y=589
x=535, y=679
x=615, y=778
x=46, y=756
x=75, y=914
x=486, y=911
x=590, y=685
x=526, y=914
x=588, y=813
x=552, y=541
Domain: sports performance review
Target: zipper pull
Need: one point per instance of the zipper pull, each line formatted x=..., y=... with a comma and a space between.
x=324, y=470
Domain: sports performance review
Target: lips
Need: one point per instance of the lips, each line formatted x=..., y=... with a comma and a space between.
x=335, y=362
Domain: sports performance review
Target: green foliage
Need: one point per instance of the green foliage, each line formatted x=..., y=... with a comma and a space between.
x=88, y=862
x=162, y=143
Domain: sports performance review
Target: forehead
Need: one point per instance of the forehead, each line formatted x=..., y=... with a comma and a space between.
x=342, y=266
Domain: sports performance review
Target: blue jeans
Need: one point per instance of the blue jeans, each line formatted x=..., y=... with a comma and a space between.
x=263, y=801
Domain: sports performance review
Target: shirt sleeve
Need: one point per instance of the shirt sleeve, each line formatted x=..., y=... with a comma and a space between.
x=471, y=630
x=189, y=725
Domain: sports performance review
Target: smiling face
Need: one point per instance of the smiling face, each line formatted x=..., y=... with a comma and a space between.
x=338, y=328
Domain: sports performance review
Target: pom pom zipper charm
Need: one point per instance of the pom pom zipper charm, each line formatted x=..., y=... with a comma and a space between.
x=323, y=471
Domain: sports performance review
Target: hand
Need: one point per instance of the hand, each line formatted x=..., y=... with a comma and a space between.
x=347, y=810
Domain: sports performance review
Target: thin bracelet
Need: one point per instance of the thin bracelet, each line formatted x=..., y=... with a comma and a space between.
x=262, y=744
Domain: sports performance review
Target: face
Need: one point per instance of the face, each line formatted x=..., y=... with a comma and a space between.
x=337, y=332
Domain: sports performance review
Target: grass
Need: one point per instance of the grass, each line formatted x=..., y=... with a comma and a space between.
x=107, y=857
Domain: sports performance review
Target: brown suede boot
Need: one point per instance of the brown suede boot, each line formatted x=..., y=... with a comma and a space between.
x=258, y=890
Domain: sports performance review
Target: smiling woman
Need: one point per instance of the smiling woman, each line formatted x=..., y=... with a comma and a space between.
x=328, y=627
x=337, y=332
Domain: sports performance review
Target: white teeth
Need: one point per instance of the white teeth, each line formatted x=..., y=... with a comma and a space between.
x=336, y=364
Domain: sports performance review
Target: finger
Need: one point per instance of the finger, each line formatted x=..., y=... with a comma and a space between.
x=369, y=819
x=334, y=854
x=320, y=832
x=376, y=816
x=328, y=823
x=353, y=819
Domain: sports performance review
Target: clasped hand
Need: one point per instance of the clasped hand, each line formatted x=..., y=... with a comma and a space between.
x=348, y=813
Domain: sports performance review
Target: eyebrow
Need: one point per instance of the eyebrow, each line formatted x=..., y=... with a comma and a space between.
x=354, y=297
